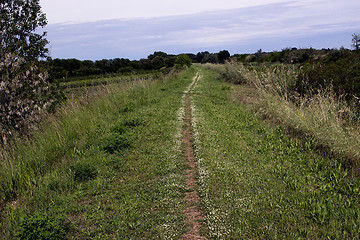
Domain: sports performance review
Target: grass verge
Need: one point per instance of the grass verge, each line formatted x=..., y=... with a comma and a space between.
x=257, y=183
x=108, y=169
x=328, y=120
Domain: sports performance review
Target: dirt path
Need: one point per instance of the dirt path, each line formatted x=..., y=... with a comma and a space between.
x=193, y=213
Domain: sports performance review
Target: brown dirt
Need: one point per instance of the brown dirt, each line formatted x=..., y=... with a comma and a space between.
x=194, y=215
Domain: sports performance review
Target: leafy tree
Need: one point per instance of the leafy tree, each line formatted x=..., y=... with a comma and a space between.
x=183, y=60
x=356, y=41
x=24, y=89
x=18, y=21
x=157, y=54
x=223, y=56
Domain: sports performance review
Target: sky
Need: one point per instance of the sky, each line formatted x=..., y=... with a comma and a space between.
x=89, y=29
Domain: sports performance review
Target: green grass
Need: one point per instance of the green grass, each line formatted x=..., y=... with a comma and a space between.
x=111, y=167
x=328, y=119
x=104, y=80
x=257, y=183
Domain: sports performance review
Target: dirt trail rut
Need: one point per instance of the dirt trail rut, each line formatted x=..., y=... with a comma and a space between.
x=193, y=213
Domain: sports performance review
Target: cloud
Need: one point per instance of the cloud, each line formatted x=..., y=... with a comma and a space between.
x=242, y=29
x=92, y=10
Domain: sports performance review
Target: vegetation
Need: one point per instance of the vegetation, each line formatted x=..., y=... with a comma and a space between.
x=356, y=41
x=24, y=90
x=108, y=164
x=342, y=75
x=183, y=60
x=62, y=69
x=257, y=182
x=321, y=114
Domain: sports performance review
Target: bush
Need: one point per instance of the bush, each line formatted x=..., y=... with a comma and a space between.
x=24, y=89
x=83, y=172
x=342, y=75
x=183, y=60
x=42, y=226
x=115, y=142
x=24, y=95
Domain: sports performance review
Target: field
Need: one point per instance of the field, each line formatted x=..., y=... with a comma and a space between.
x=116, y=163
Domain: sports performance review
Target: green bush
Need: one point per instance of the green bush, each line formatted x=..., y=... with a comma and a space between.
x=129, y=107
x=83, y=172
x=134, y=122
x=115, y=142
x=24, y=88
x=342, y=75
x=41, y=226
x=183, y=60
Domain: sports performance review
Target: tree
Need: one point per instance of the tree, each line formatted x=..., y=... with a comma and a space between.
x=18, y=21
x=223, y=56
x=24, y=88
x=356, y=41
x=183, y=60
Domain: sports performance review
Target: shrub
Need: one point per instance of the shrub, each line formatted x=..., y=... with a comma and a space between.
x=342, y=75
x=83, y=172
x=134, y=122
x=183, y=60
x=42, y=226
x=24, y=94
x=24, y=90
x=115, y=142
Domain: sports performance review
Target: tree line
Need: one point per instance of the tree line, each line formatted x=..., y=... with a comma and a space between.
x=67, y=68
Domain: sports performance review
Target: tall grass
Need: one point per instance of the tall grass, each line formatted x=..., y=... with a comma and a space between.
x=324, y=117
x=23, y=161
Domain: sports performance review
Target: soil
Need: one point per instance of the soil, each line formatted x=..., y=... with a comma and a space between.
x=194, y=216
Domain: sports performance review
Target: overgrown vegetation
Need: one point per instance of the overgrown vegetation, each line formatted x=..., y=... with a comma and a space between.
x=41, y=226
x=259, y=183
x=63, y=69
x=24, y=89
x=342, y=75
x=106, y=165
x=308, y=103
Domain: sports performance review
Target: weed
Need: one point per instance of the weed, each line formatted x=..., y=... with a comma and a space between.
x=115, y=142
x=43, y=226
x=129, y=107
x=134, y=122
x=83, y=171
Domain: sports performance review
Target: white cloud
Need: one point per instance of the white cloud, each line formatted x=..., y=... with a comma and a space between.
x=273, y=26
x=94, y=10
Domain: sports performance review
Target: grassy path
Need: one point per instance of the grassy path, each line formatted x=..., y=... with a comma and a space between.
x=194, y=216
x=119, y=171
x=150, y=161
x=257, y=183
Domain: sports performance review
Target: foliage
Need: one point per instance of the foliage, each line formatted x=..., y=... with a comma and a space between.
x=24, y=94
x=183, y=60
x=356, y=41
x=207, y=57
x=43, y=227
x=343, y=75
x=70, y=68
x=223, y=56
x=83, y=171
x=18, y=22
x=293, y=56
x=24, y=90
